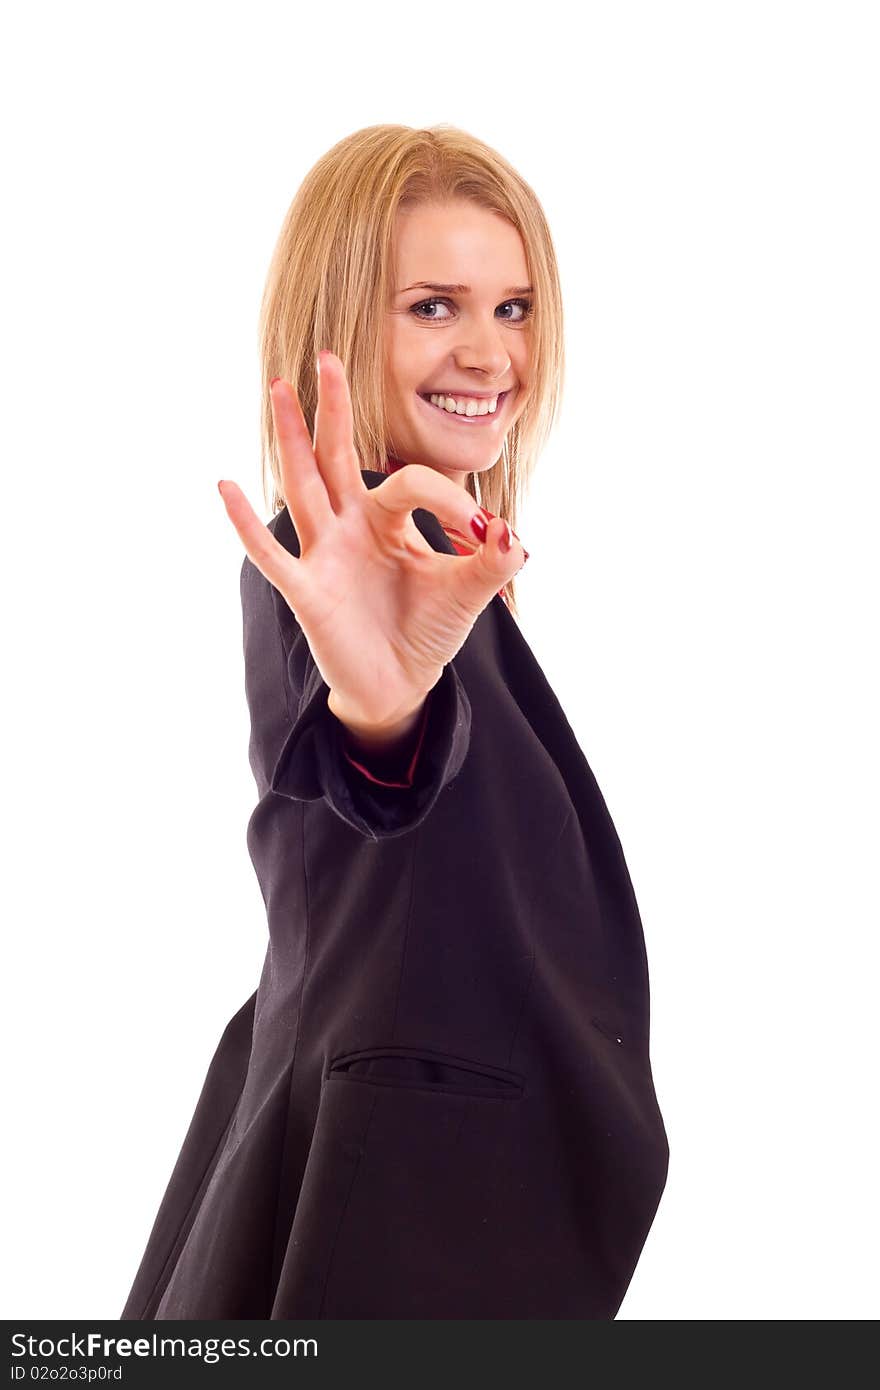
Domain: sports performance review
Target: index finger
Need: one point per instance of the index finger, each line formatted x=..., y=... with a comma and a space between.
x=416, y=485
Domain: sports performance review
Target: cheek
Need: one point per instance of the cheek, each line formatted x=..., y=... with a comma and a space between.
x=400, y=381
x=398, y=392
x=391, y=379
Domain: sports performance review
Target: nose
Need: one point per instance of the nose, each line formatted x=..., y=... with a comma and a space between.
x=481, y=348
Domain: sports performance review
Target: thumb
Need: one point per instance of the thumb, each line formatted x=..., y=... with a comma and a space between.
x=491, y=565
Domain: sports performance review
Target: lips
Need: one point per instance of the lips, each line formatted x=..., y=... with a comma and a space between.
x=455, y=418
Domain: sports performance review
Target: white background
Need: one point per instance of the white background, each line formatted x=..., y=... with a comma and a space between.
x=702, y=537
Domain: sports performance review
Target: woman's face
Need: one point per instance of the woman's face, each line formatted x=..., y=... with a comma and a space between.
x=457, y=326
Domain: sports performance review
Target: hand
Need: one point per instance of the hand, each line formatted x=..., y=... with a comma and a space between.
x=381, y=610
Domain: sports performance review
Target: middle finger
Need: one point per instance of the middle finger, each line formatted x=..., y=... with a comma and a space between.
x=334, y=432
x=304, y=490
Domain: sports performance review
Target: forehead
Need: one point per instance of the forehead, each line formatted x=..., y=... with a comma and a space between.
x=457, y=241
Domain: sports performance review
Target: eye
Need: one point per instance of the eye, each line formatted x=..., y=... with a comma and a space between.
x=419, y=310
x=524, y=304
x=426, y=304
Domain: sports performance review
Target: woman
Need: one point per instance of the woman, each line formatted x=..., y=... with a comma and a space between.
x=438, y=1103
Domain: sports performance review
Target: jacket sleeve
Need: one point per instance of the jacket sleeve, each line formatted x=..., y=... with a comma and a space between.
x=297, y=744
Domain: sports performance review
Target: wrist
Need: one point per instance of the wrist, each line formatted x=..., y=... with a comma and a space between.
x=389, y=738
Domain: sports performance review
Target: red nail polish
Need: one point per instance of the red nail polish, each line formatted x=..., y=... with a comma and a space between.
x=490, y=516
x=478, y=526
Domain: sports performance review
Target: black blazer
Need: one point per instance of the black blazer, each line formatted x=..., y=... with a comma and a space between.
x=438, y=1103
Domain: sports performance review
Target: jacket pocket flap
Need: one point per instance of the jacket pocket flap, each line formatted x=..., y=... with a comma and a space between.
x=424, y=1068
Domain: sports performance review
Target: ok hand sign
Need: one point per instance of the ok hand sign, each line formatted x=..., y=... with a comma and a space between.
x=381, y=610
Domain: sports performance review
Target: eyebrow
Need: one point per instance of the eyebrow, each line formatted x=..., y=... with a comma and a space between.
x=460, y=289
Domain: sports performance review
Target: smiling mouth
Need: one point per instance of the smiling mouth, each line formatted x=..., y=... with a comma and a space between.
x=453, y=415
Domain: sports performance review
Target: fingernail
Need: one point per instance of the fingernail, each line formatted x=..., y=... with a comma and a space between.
x=273, y=381
x=490, y=516
x=526, y=553
x=506, y=541
x=219, y=488
x=478, y=526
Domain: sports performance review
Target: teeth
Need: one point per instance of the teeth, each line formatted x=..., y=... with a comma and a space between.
x=465, y=405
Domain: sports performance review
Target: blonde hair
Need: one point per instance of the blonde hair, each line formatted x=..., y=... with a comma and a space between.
x=330, y=278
